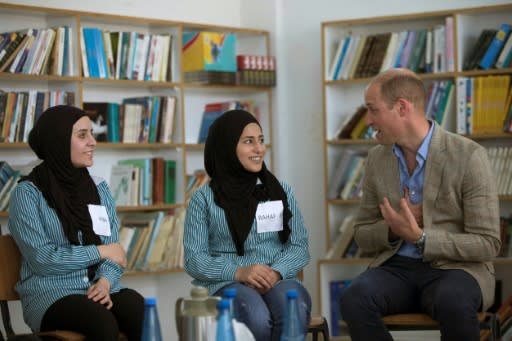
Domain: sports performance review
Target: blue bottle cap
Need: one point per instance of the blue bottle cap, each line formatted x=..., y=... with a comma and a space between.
x=150, y=301
x=291, y=293
x=223, y=304
x=230, y=292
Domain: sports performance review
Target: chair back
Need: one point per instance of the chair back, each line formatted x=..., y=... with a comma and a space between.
x=10, y=263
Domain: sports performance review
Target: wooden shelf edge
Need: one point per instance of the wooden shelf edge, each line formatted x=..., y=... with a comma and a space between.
x=163, y=207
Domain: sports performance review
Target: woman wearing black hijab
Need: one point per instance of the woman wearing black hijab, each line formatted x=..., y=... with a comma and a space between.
x=64, y=222
x=244, y=229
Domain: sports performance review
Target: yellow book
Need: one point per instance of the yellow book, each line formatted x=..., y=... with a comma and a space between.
x=359, y=128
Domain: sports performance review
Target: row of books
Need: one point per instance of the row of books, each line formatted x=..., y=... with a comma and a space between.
x=483, y=104
x=256, y=70
x=500, y=159
x=47, y=51
x=440, y=99
x=346, y=179
x=424, y=50
x=343, y=244
x=153, y=241
x=146, y=119
x=213, y=110
x=20, y=110
x=143, y=182
x=195, y=180
x=493, y=48
x=354, y=126
x=126, y=55
x=8, y=179
x=439, y=102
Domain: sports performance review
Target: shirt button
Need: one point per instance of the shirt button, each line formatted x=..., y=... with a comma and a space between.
x=86, y=279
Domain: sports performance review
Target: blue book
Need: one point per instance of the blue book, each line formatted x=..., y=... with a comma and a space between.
x=159, y=216
x=400, y=49
x=208, y=118
x=90, y=48
x=494, y=49
x=154, y=119
x=113, y=123
x=65, y=55
x=346, y=42
x=337, y=287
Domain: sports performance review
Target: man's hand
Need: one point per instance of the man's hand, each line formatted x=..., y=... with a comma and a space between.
x=416, y=209
x=100, y=292
x=402, y=223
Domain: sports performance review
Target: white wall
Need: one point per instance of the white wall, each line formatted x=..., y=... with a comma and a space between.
x=295, y=32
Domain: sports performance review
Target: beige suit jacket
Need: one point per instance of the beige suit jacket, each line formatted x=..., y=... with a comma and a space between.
x=460, y=208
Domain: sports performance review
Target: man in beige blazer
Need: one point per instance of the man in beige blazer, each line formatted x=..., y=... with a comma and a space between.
x=430, y=216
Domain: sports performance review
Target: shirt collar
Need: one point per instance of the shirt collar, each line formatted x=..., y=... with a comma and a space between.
x=422, y=153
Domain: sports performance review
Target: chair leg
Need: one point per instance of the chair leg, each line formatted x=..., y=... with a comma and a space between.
x=494, y=324
x=325, y=330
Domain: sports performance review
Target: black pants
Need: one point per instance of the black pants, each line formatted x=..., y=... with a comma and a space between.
x=406, y=285
x=79, y=313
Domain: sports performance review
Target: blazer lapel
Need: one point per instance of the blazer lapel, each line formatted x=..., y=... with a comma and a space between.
x=436, y=160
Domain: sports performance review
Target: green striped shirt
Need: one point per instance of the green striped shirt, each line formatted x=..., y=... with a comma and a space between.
x=51, y=267
x=210, y=254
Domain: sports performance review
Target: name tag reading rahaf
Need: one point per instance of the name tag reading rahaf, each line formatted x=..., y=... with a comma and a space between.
x=269, y=216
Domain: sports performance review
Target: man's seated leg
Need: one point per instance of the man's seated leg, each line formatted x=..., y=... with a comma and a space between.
x=377, y=292
x=454, y=299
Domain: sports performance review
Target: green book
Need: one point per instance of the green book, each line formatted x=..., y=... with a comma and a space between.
x=170, y=181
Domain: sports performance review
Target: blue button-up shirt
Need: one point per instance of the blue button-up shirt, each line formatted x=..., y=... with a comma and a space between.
x=414, y=183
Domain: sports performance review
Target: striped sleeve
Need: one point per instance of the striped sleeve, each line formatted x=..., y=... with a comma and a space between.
x=46, y=255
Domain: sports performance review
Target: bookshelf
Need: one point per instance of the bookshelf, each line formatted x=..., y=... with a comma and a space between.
x=341, y=98
x=190, y=97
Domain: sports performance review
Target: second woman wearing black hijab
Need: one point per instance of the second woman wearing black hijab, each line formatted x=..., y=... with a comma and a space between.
x=64, y=222
x=245, y=230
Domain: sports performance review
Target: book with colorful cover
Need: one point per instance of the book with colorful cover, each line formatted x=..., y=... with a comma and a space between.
x=491, y=54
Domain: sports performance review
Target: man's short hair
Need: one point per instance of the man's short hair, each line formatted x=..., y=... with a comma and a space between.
x=395, y=85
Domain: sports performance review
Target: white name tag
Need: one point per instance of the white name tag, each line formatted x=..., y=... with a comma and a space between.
x=269, y=216
x=100, y=222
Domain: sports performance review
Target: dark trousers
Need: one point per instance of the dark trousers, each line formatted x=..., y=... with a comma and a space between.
x=79, y=313
x=407, y=285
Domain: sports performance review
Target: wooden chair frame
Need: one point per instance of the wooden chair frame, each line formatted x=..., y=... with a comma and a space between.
x=489, y=324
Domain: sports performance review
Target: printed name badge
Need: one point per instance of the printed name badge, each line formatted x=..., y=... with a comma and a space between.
x=269, y=216
x=100, y=222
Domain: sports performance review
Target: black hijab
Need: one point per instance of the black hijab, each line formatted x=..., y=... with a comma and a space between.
x=68, y=190
x=234, y=187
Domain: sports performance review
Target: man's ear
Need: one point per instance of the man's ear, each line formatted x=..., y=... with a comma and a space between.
x=403, y=106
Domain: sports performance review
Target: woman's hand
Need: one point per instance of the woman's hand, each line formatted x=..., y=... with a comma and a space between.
x=100, y=292
x=258, y=276
x=114, y=252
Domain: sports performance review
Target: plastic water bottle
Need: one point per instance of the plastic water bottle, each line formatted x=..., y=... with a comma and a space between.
x=225, y=331
x=230, y=294
x=293, y=330
x=151, y=325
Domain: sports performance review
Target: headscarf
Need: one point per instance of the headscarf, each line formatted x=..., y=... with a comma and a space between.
x=235, y=189
x=68, y=190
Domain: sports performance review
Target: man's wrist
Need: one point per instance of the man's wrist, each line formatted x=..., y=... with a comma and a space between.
x=420, y=243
